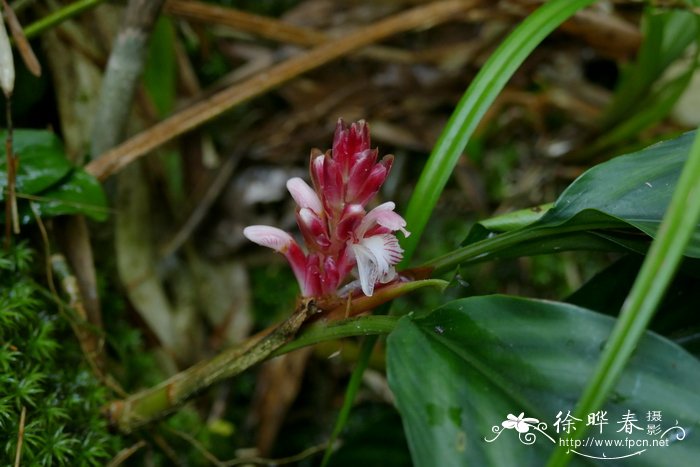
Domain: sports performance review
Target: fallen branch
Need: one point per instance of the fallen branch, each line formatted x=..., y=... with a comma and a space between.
x=117, y=158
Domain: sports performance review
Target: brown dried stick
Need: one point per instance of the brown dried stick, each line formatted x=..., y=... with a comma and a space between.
x=423, y=16
x=271, y=28
x=260, y=26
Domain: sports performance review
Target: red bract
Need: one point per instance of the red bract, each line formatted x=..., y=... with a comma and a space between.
x=338, y=232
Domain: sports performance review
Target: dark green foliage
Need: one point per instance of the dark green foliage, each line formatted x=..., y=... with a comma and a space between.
x=46, y=178
x=42, y=370
x=373, y=436
x=492, y=356
x=274, y=292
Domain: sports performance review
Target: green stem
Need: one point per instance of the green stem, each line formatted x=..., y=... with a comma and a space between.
x=59, y=16
x=158, y=401
x=481, y=250
x=656, y=273
x=362, y=326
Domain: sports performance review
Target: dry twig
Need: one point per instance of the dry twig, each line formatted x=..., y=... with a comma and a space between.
x=207, y=109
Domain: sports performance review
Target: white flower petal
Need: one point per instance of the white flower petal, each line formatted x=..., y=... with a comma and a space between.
x=370, y=218
x=304, y=195
x=393, y=221
x=385, y=216
x=271, y=237
x=376, y=257
x=366, y=267
x=310, y=218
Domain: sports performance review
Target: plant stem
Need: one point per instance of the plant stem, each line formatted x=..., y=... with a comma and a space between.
x=156, y=402
x=362, y=326
x=481, y=249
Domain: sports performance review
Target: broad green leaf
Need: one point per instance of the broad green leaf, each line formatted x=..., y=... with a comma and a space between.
x=460, y=370
x=679, y=224
x=80, y=193
x=635, y=189
x=42, y=161
x=630, y=191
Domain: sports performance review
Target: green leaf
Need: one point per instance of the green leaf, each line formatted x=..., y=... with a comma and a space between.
x=676, y=317
x=679, y=225
x=494, y=356
x=81, y=193
x=58, y=16
x=667, y=35
x=635, y=189
x=159, y=74
x=42, y=161
x=630, y=191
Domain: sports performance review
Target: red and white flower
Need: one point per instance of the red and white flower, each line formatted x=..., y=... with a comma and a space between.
x=339, y=234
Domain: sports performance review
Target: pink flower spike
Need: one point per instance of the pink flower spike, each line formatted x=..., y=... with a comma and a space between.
x=376, y=257
x=359, y=171
x=311, y=287
x=347, y=142
x=374, y=180
x=312, y=228
x=351, y=217
x=304, y=195
x=339, y=234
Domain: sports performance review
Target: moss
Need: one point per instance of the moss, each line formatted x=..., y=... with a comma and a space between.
x=42, y=372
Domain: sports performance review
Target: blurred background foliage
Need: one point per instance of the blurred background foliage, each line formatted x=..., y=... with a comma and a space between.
x=619, y=75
